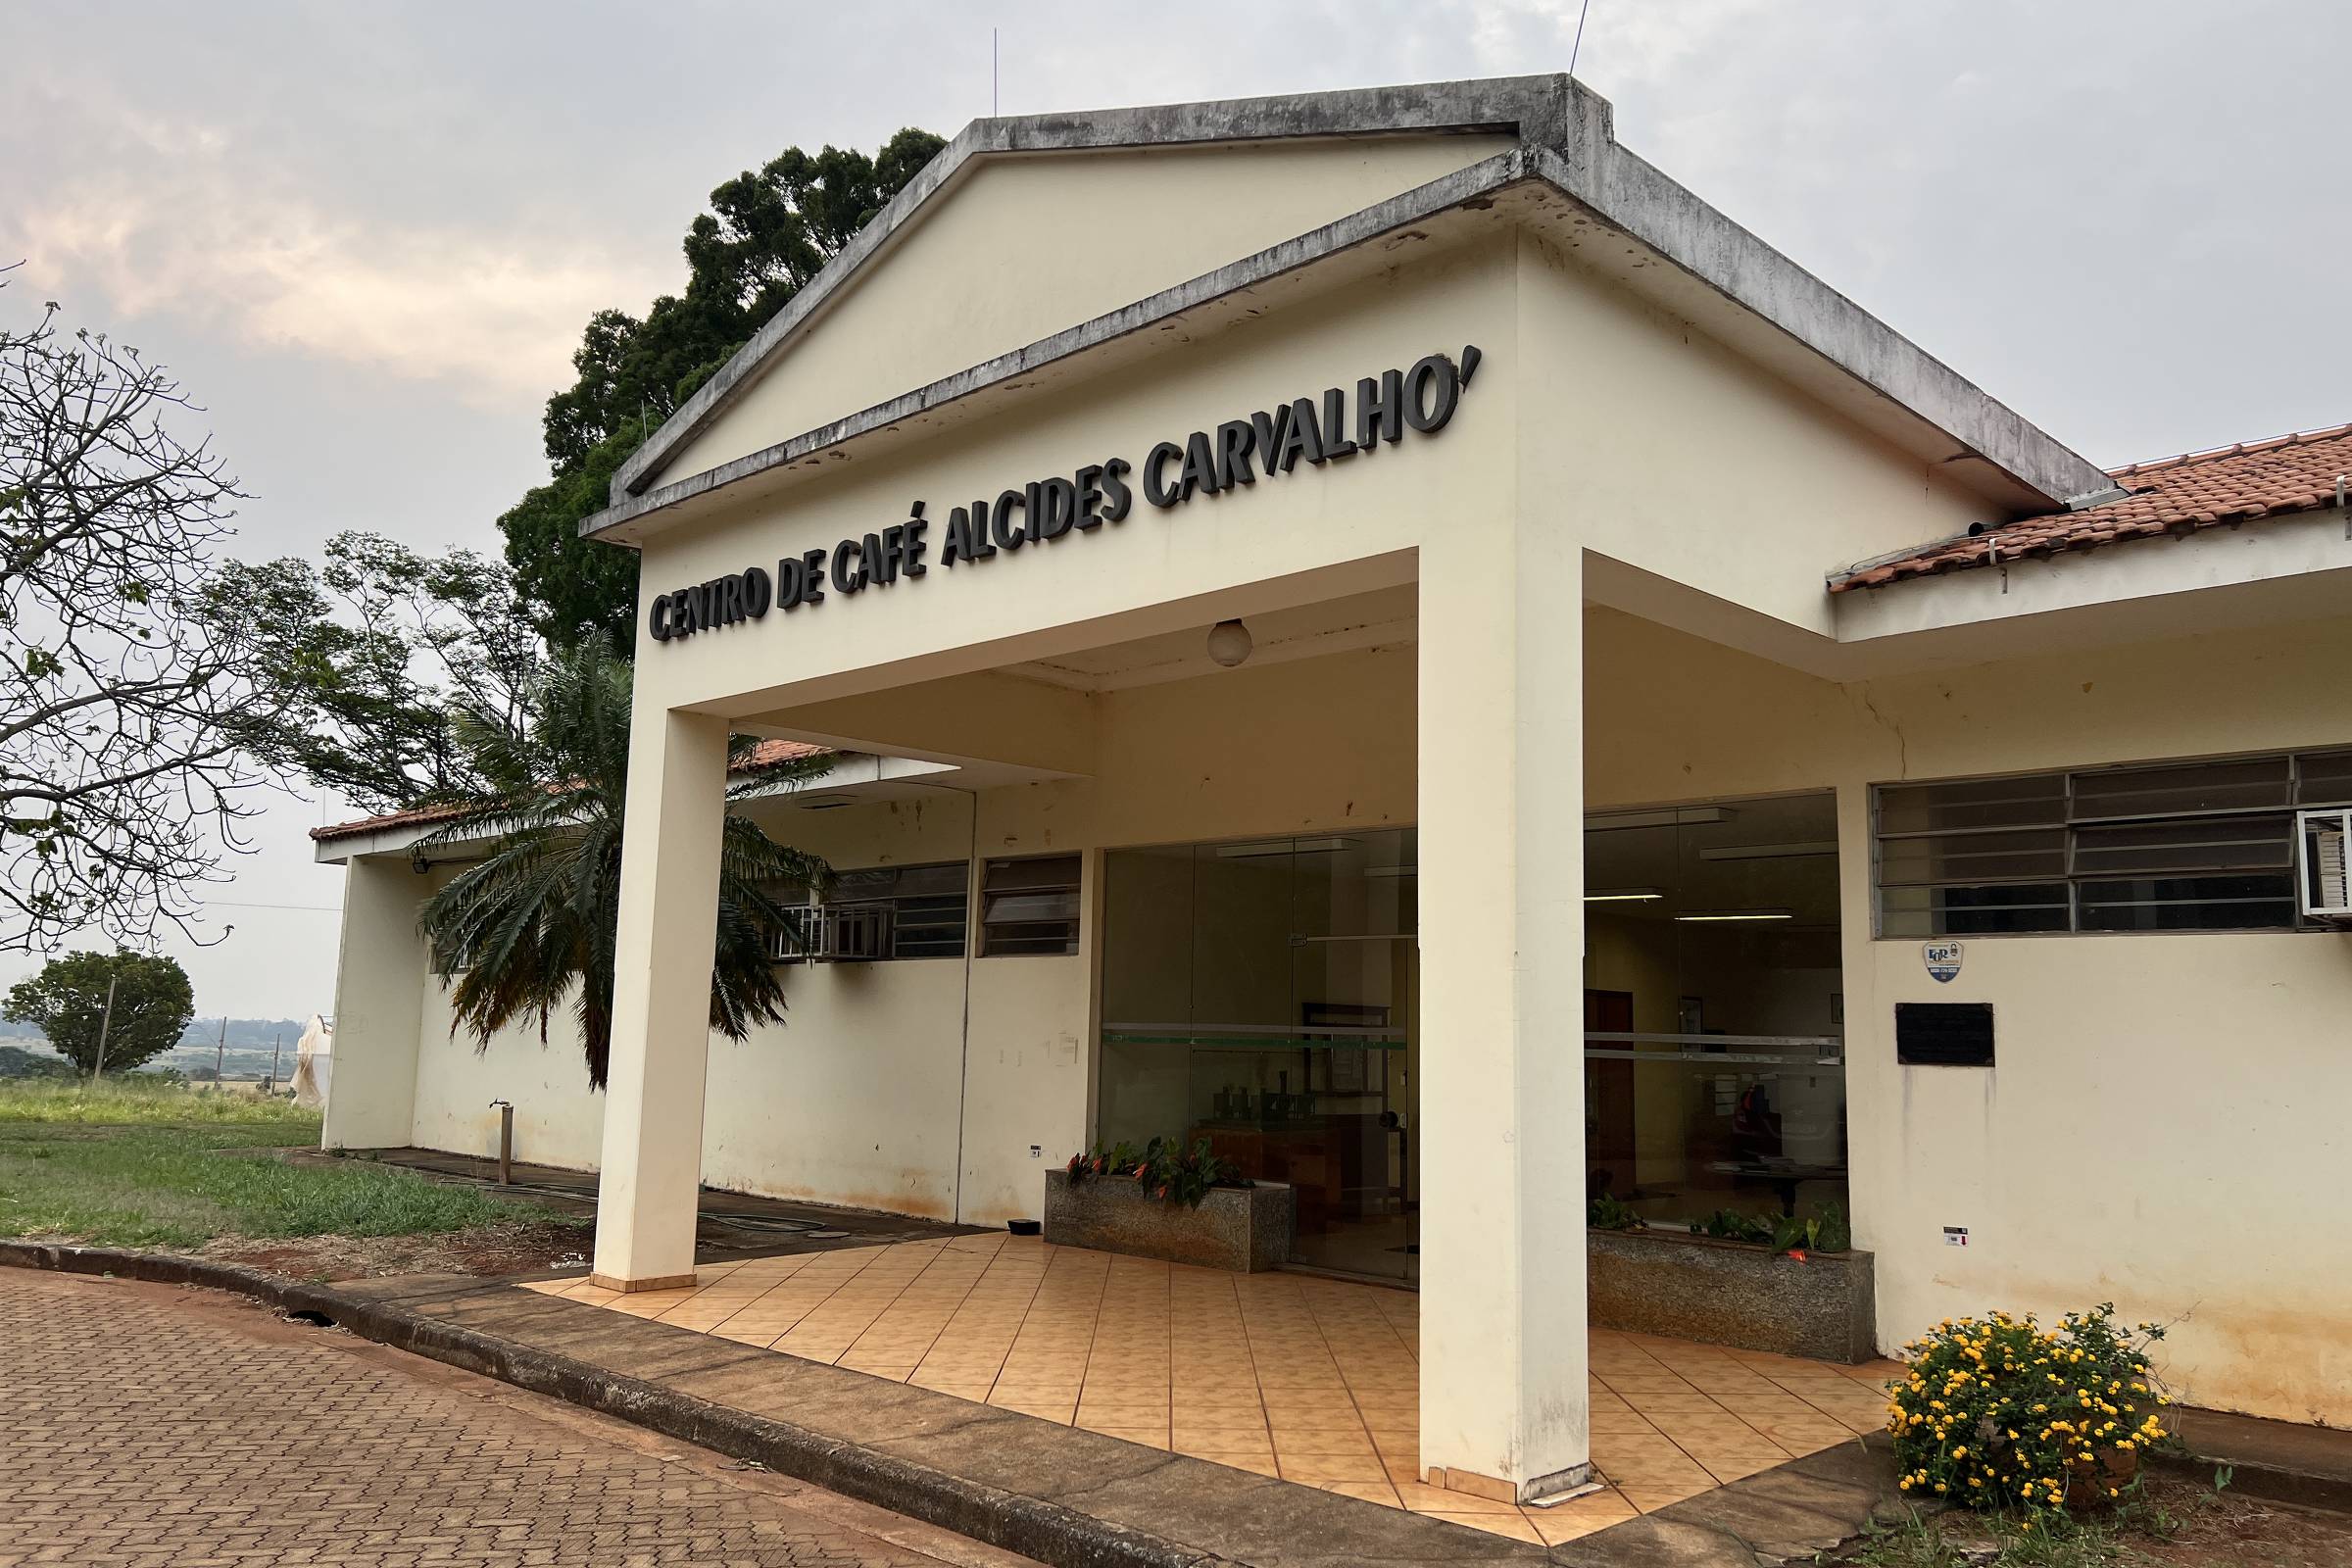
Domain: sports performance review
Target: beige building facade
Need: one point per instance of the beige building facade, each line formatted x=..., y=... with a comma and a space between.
x=1645, y=776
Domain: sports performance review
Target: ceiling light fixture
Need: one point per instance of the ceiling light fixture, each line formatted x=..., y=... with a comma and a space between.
x=1230, y=643
x=1737, y=914
x=1625, y=895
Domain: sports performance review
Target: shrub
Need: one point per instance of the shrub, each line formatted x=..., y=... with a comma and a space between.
x=2000, y=1413
x=1824, y=1232
x=1164, y=1167
x=1608, y=1212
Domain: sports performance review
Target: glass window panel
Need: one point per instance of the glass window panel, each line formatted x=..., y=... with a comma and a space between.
x=2190, y=787
x=2189, y=903
x=2032, y=800
x=2197, y=844
x=1036, y=872
x=2326, y=778
x=1012, y=942
x=1017, y=909
x=928, y=927
x=2039, y=854
x=863, y=886
x=933, y=881
x=1979, y=910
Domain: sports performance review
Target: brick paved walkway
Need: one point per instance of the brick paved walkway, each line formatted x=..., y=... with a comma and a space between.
x=146, y=1425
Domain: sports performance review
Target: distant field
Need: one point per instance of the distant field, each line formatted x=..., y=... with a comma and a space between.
x=129, y=1164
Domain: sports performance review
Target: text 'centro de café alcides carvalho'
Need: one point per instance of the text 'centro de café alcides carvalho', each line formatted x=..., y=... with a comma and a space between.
x=1420, y=399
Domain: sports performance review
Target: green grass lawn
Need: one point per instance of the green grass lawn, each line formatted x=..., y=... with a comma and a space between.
x=126, y=1165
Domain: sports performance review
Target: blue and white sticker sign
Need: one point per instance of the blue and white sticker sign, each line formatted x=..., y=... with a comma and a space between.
x=1942, y=958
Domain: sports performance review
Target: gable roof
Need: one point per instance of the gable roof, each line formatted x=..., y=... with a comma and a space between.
x=2167, y=497
x=1563, y=142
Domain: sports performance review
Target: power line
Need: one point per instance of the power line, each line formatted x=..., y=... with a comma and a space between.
x=1580, y=12
x=309, y=908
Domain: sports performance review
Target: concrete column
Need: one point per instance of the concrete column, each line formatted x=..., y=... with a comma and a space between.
x=668, y=931
x=1503, y=1402
x=379, y=1007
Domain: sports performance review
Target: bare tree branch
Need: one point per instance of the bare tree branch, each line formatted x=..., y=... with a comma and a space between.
x=126, y=690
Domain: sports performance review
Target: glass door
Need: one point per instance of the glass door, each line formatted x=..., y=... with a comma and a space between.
x=1264, y=996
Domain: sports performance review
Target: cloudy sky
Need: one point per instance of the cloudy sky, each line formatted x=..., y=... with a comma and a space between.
x=368, y=237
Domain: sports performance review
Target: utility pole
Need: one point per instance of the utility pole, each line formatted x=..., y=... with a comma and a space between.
x=219, y=1051
x=105, y=1021
x=277, y=1043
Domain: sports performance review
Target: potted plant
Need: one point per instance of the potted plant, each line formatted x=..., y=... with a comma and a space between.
x=1786, y=1283
x=1168, y=1200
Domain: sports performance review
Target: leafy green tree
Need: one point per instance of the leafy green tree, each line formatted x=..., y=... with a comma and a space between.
x=767, y=233
x=67, y=1002
x=369, y=659
x=529, y=927
x=576, y=589
x=17, y=1062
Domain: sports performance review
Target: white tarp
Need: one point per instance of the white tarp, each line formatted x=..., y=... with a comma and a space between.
x=314, y=1063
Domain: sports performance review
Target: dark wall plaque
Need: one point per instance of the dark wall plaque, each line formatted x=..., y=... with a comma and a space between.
x=1943, y=1034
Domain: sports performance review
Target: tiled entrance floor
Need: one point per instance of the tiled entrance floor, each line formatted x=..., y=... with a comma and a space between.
x=1311, y=1380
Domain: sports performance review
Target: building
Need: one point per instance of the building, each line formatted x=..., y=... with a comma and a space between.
x=1293, y=584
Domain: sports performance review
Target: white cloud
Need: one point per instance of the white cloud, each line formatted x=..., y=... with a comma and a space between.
x=190, y=223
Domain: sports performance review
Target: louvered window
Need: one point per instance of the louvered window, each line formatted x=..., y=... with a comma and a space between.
x=2171, y=846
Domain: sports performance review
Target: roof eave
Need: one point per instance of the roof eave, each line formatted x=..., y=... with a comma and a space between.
x=1565, y=141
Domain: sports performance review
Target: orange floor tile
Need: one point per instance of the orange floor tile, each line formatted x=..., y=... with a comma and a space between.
x=1311, y=1380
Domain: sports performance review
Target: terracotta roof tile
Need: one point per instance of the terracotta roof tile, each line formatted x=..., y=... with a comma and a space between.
x=2168, y=496
x=764, y=755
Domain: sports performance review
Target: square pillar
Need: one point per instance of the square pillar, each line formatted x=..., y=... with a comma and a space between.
x=1504, y=1410
x=667, y=935
x=381, y=976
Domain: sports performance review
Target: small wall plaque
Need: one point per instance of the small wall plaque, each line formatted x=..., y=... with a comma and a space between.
x=1943, y=1034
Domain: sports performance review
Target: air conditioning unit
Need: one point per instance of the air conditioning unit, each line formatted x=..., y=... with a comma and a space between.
x=833, y=933
x=852, y=933
x=2321, y=872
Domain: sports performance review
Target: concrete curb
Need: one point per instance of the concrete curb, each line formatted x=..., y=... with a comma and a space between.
x=1029, y=1526
x=2270, y=1482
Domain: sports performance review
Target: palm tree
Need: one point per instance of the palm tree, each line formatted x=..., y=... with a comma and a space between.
x=532, y=927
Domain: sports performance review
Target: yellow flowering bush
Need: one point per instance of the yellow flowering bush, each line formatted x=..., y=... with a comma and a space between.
x=1999, y=1412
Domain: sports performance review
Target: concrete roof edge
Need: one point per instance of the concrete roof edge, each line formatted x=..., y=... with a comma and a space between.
x=1534, y=108
x=1633, y=195
x=336, y=843
x=1566, y=138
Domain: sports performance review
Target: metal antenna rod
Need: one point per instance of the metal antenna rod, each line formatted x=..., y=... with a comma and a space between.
x=1580, y=12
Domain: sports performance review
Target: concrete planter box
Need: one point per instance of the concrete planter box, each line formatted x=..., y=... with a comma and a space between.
x=1733, y=1293
x=1247, y=1229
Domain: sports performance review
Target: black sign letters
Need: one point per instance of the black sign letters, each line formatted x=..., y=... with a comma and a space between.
x=1237, y=454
